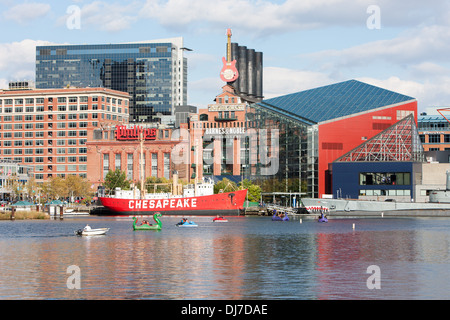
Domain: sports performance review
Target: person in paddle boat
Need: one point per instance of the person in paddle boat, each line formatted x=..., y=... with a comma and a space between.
x=322, y=215
x=146, y=222
x=280, y=215
x=87, y=228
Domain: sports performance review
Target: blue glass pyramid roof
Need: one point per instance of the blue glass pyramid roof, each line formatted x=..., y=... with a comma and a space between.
x=333, y=101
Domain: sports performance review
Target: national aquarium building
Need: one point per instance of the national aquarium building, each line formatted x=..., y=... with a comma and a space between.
x=316, y=127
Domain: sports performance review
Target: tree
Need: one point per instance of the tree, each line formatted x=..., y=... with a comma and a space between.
x=32, y=188
x=55, y=188
x=254, y=191
x=78, y=187
x=116, y=179
x=162, y=185
x=225, y=185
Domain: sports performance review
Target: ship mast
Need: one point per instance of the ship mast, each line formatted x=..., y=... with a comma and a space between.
x=141, y=166
x=196, y=166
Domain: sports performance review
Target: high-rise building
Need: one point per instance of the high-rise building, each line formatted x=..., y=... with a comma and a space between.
x=154, y=73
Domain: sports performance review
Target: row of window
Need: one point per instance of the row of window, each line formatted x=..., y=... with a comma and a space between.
x=70, y=133
x=20, y=101
x=234, y=124
x=83, y=107
x=385, y=178
x=40, y=176
x=30, y=143
x=405, y=192
x=31, y=126
x=41, y=150
x=129, y=164
x=49, y=159
x=435, y=138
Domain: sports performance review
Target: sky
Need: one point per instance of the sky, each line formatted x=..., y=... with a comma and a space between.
x=401, y=46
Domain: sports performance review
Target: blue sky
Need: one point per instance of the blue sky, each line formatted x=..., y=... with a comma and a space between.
x=401, y=46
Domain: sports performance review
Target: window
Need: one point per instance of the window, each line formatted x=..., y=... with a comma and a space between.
x=129, y=166
x=434, y=138
x=117, y=162
x=154, y=164
x=385, y=178
x=167, y=165
x=105, y=164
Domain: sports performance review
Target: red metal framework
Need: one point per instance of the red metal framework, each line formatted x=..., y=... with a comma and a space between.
x=399, y=142
x=443, y=109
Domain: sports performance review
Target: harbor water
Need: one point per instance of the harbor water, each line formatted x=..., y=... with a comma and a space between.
x=246, y=258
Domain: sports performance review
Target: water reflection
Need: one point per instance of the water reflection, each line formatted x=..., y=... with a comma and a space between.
x=247, y=258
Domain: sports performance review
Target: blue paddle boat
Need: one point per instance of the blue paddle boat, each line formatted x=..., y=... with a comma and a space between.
x=322, y=218
x=280, y=216
x=186, y=223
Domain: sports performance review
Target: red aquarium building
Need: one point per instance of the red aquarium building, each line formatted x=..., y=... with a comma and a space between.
x=319, y=125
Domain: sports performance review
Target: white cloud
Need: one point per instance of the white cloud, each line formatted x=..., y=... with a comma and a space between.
x=281, y=81
x=430, y=42
x=17, y=60
x=263, y=17
x=105, y=16
x=427, y=93
x=26, y=12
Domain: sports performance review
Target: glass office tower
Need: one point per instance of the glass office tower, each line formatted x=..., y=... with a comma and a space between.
x=154, y=73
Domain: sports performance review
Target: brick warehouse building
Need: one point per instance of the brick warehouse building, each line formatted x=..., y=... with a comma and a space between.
x=119, y=147
x=219, y=135
x=49, y=129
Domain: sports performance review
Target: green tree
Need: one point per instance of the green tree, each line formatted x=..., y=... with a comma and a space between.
x=225, y=185
x=162, y=185
x=116, y=179
x=254, y=191
x=33, y=188
x=78, y=187
x=55, y=188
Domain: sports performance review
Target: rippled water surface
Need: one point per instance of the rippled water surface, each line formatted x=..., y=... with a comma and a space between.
x=246, y=258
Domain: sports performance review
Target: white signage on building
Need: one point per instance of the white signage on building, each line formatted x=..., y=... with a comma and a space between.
x=226, y=107
x=225, y=131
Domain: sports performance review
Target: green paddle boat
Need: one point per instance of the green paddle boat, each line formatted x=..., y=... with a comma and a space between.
x=146, y=226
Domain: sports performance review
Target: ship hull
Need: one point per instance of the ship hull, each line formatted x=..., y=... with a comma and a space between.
x=229, y=203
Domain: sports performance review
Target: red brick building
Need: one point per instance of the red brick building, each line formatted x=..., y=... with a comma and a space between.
x=219, y=133
x=119, y=147
x=49, y=129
